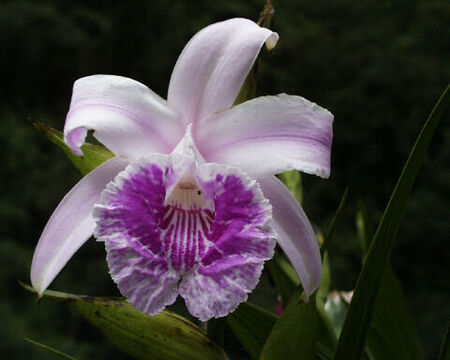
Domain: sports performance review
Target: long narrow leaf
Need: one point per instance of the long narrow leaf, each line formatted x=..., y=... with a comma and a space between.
x=392, y=334
x=444, y=351
x=252, y=325
x=50, y=349
x=166, y=336
x=336, y=216
x=295, y=335
x=283, y=282
x=353, y=336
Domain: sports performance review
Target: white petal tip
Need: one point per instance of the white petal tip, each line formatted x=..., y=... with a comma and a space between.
x=38, y=288
x=272, y=41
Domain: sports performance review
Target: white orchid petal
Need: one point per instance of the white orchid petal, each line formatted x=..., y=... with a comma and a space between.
x=295, y=234
x=127, y=117
x=269, y=135
x=70, y=225
x=213, y=66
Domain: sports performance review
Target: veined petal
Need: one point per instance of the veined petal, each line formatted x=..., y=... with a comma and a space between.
x=70, y=225
x=129, y=217
x=269, y=135
x=240, y=239
x=128, y=118
x=295, y=233
x=213, y=66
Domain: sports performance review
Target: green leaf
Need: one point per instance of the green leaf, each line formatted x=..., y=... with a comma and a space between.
x=163, y=336
x=444, y=351
x=295, y=334
x=325, y=280
x=363, y=227
x=94, y=155
x=353, y=336
x=392, y=334
x=50, y=349
x=287, y=282
x=284, y=282
x=322, y=352
x=301, y=320
x=327, y=337
x=336, y=308
x=293, y=181
x=336, y=216
x=252, y=325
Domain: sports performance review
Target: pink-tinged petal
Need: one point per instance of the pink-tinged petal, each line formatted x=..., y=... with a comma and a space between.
x=188, y=147
x=70, y=225
x=213, y=66
x=130, y=217
x=269, y=135
x=239, y=238
x=216, y=290
x=295, y=233
x=126, y=116
x=145, y=279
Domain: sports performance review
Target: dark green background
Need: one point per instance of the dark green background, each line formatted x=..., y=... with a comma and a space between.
x=378, y=66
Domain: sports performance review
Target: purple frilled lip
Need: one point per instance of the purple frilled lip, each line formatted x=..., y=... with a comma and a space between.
x=199, y=231
x=185, y=203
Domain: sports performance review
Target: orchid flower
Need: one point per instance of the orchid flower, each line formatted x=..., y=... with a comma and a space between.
x=190, y=204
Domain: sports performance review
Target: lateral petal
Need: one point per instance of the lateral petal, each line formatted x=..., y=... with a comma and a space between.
x=269, y=135
x=70, y=225
x=295, y=233
x=213, y=66
x=126, y=116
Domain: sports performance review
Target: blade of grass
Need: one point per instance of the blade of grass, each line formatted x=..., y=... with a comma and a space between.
x=330, y=231
x=444, y=352
x=392, y=333
x=252, y=325
x=50, y=349
x=353, y=336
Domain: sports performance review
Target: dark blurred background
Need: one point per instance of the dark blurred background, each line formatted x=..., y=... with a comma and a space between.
x=378, y=66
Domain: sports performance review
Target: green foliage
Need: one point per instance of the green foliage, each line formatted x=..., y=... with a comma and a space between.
x=163, y=336
x=293, y=181
x=295, y=334
x=330, y=231
x=93, y=155
x=252, y=325
x=285, y=278
x=444, y=352
x=49, y=349
x=358, y=319
x=392, y=333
